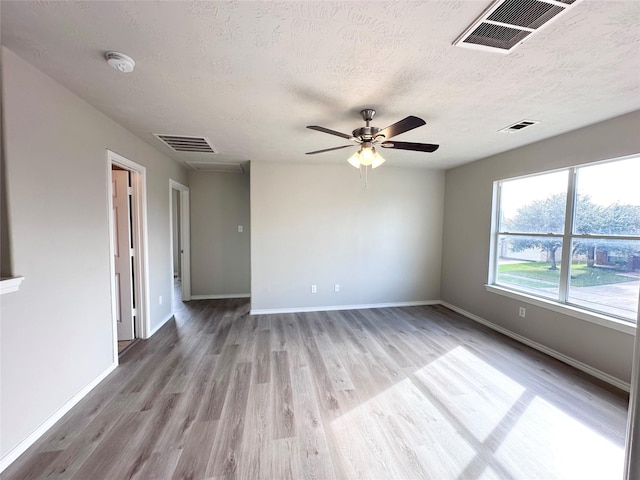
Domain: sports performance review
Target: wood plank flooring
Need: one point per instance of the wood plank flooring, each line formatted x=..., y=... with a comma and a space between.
x=397, y=393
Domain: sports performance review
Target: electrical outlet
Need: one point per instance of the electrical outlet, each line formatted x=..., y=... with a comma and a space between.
x=336, y=287
x=314, y=289
x=160, y=300
x=522, y=312
x=240, y=228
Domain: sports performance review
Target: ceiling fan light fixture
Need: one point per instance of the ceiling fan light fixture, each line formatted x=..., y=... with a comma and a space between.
x=366, y=156
x=354, y=160
x=377, y=160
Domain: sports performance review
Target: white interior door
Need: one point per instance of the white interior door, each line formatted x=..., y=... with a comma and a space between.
x=122, y=255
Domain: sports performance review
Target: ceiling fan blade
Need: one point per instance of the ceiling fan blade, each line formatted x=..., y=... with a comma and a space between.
x=332, y=132
x=402, y=126
x=418, y=147
x=330, y=149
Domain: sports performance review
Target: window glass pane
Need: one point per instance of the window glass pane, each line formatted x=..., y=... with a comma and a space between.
x=605, y=276
x=534, y=204
x=530, y=264
x=608, y=199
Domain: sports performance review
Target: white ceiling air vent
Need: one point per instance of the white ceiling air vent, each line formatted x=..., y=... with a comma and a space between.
x=508, y=23
x=518, y=126
x=183, y=143
x=217, y=167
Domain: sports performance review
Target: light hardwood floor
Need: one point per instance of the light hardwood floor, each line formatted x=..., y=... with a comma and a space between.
x=397, y=393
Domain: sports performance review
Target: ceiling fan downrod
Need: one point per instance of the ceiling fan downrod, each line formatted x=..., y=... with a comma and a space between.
x=366, y=133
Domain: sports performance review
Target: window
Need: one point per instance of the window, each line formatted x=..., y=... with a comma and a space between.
x=572, y=236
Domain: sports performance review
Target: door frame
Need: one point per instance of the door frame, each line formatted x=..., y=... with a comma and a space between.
x=140, y=245
x=185, y=238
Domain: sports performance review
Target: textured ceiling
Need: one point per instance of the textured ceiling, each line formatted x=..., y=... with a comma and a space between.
x=250, y=76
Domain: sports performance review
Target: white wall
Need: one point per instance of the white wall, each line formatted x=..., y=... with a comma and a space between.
x=56, y=331
x=220, y=255
x=318, y=224
x=467, y=234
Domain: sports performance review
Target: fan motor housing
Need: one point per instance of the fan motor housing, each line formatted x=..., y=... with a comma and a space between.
x=364, y=133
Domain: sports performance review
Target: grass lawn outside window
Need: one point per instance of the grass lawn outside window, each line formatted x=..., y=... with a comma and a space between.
x=538, y=274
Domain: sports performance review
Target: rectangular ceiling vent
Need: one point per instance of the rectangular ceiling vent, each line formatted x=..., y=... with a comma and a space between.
x=518, y=126
x=183, y=143
x=217, y=167
x=508, y=23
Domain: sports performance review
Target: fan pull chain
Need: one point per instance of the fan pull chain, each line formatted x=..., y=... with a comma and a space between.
x=366, y=176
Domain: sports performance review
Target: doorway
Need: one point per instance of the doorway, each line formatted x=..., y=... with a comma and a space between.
x=128, y=251
x=123, y=256
x=180, y=243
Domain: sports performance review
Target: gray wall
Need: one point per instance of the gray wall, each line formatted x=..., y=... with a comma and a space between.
x=467, y=233
x=220, y=255
x=56, y=331
x=318, y=224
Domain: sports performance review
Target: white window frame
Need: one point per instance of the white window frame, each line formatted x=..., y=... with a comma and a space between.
x=560, y=304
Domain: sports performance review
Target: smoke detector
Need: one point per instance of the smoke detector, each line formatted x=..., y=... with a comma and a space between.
x=120, y=61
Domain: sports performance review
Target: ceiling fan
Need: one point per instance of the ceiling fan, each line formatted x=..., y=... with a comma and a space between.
x=369, y=137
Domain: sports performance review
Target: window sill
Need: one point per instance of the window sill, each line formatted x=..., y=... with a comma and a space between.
x=598, y=319
x=8, y=285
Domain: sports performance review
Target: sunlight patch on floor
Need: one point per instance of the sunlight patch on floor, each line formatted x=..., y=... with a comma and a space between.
x=558, y=446
x=459, y=418
x=475, y=393
x=399, y=434
x=490, y=474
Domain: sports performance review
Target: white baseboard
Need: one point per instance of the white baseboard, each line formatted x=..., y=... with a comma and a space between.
x=220, y=297
x=8, y=285
x=158, y=327
x=269, y=311
x=18, y=450
x=616, y=382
